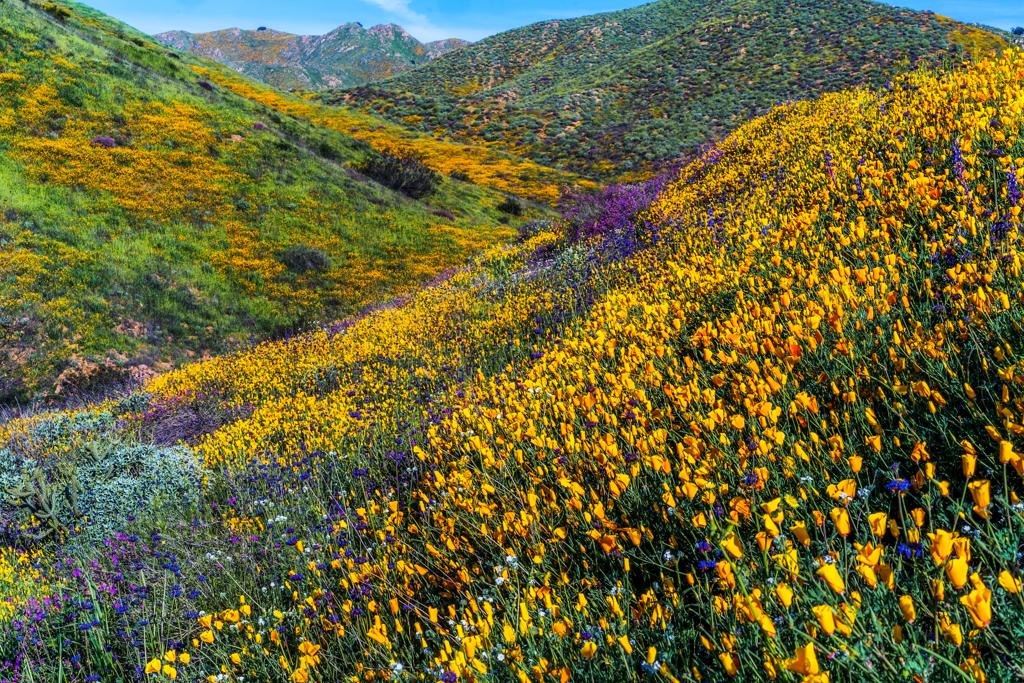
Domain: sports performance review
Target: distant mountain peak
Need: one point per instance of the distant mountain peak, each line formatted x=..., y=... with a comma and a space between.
x=389, y=30
x=348, y=55
x=349, y=27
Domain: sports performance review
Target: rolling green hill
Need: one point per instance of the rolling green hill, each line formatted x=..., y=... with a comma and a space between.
x=758, y=421
x=629, y=91
x=150, y=214
x=349, y=55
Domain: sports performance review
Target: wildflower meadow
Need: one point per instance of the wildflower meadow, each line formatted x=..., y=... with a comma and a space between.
x=760, y=419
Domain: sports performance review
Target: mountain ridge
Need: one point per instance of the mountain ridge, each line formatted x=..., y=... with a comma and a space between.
x=668, y=76
x=345, y=56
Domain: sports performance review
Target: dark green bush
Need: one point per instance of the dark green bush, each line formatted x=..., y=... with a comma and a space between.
x=328, y=151
x=302, y=258
x=512, y=206
x=403, y=173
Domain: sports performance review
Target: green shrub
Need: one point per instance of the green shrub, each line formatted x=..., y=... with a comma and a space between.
x=512, y=206
x=124, y=482
x=12, y=470
x=302, y=258
x=328, y=151
x=64, y=428
x=403, y=173
x=104, y=487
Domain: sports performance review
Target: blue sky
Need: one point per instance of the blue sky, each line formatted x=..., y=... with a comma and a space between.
x=433, y=19
x=999, y=13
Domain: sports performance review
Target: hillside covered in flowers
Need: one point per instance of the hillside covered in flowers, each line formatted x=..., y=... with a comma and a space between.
x=760, y=419
x=623, y=93
x=150, y=215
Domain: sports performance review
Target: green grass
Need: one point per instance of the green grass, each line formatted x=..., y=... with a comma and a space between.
x=173, y=250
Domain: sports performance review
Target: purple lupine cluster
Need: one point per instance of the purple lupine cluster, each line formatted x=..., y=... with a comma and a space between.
x=184, y=418
x=960, y=167
x=1014, y=194
x=120, y=582
x=710, y=154
x=716, y=229
x=104, y=141
x=898, y=486
x=613, y=208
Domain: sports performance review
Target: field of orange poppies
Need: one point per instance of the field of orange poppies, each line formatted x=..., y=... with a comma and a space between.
x=762, y=419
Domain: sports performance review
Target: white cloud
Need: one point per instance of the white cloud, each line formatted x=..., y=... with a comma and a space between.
x=428, y=32
x=421, y=26
x=401, y=9
x=396, y=6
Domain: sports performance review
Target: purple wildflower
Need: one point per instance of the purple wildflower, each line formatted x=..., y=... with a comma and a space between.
x=1014, y=194
x=959, y=166
x=898, y=486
